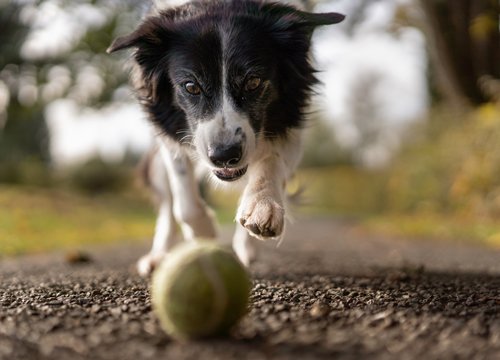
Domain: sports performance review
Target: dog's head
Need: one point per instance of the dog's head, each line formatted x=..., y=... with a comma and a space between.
x=222, y=75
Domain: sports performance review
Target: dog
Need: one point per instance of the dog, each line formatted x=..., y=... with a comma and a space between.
x=226, y=84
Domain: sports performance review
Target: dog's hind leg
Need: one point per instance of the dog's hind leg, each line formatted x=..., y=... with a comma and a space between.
x=166, y=228
x=190, y=211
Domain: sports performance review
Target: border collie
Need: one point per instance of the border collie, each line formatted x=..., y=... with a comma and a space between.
x=226, y=83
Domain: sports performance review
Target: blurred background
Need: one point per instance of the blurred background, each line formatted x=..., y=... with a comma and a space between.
x=404, y=133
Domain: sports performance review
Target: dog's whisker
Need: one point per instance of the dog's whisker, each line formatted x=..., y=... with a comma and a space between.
x=187, y=140
x=212, y=180
x=194, y=156
x=266, y=134
x=216, y=128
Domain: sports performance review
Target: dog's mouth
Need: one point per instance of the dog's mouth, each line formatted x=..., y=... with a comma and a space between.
x=230, y=174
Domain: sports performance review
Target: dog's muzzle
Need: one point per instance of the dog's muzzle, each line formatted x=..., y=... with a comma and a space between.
x=228, y=174
x=226, y=158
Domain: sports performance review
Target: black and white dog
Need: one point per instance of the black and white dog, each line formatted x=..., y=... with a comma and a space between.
x=227, y=84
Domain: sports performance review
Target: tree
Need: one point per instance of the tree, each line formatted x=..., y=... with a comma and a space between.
x=27, y=136
x=464, y=40
x=24, y=80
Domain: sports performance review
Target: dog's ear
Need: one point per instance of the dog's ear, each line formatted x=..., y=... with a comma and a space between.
x=153, y=31
x=313, y=19
x=289, y=18
x=309, y=21
x=124, y=42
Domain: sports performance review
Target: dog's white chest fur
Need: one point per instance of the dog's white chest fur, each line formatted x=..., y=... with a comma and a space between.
x=227, y=84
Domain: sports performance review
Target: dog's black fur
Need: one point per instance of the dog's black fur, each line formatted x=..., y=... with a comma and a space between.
x=232, y=80
x=265, y=40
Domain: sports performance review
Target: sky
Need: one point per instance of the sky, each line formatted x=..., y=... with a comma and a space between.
x=79, y=134
x=397, y=63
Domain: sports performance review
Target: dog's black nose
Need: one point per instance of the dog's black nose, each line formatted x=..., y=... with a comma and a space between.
x=225, y=155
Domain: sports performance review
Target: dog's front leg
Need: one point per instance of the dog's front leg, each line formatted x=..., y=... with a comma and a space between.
x=189, y=208
x=166, y=228
x=243, y=245
x=261, y=209
x=173, y=180
x=262, y=206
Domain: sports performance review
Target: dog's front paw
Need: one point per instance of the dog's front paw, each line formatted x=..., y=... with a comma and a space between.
x=147, y=263
x=262, y=216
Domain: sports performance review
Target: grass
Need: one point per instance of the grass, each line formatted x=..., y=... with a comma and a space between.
x=436, y=227
x=340, y=191
x=362, y=194
x=37, y=220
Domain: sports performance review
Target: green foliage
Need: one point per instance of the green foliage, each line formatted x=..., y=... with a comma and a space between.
x=341, y=190
x=26, y=137
x=436, y=227
x=28, y=172
x=12, y=31
x=464, y=44
x=322, y=149
x=454, y=169
x=25, y=133
x=444, y=183
x=32, y=82
x=97, y=176
x=338, y=190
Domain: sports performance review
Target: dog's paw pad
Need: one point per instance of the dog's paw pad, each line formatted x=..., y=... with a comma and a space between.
x=262, y=216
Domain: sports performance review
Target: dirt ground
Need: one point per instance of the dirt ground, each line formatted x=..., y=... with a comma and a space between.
x=329, y=291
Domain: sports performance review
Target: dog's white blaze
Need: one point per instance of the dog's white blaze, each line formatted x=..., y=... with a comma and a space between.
x=222, y=129
x=165, y=4
x=233, y=121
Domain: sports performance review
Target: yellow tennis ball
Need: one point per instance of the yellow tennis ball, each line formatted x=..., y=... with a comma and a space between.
x=200, y=289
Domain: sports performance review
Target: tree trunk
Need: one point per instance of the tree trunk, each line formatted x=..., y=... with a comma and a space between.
x=465, y=46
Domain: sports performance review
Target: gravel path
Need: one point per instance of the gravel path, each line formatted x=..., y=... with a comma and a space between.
x=329, y=291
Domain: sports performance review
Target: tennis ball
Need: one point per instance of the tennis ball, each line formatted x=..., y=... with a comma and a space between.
x=200, y=289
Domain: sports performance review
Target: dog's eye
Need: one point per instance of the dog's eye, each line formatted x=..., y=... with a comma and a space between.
x=252, y=84
x=192, y=88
